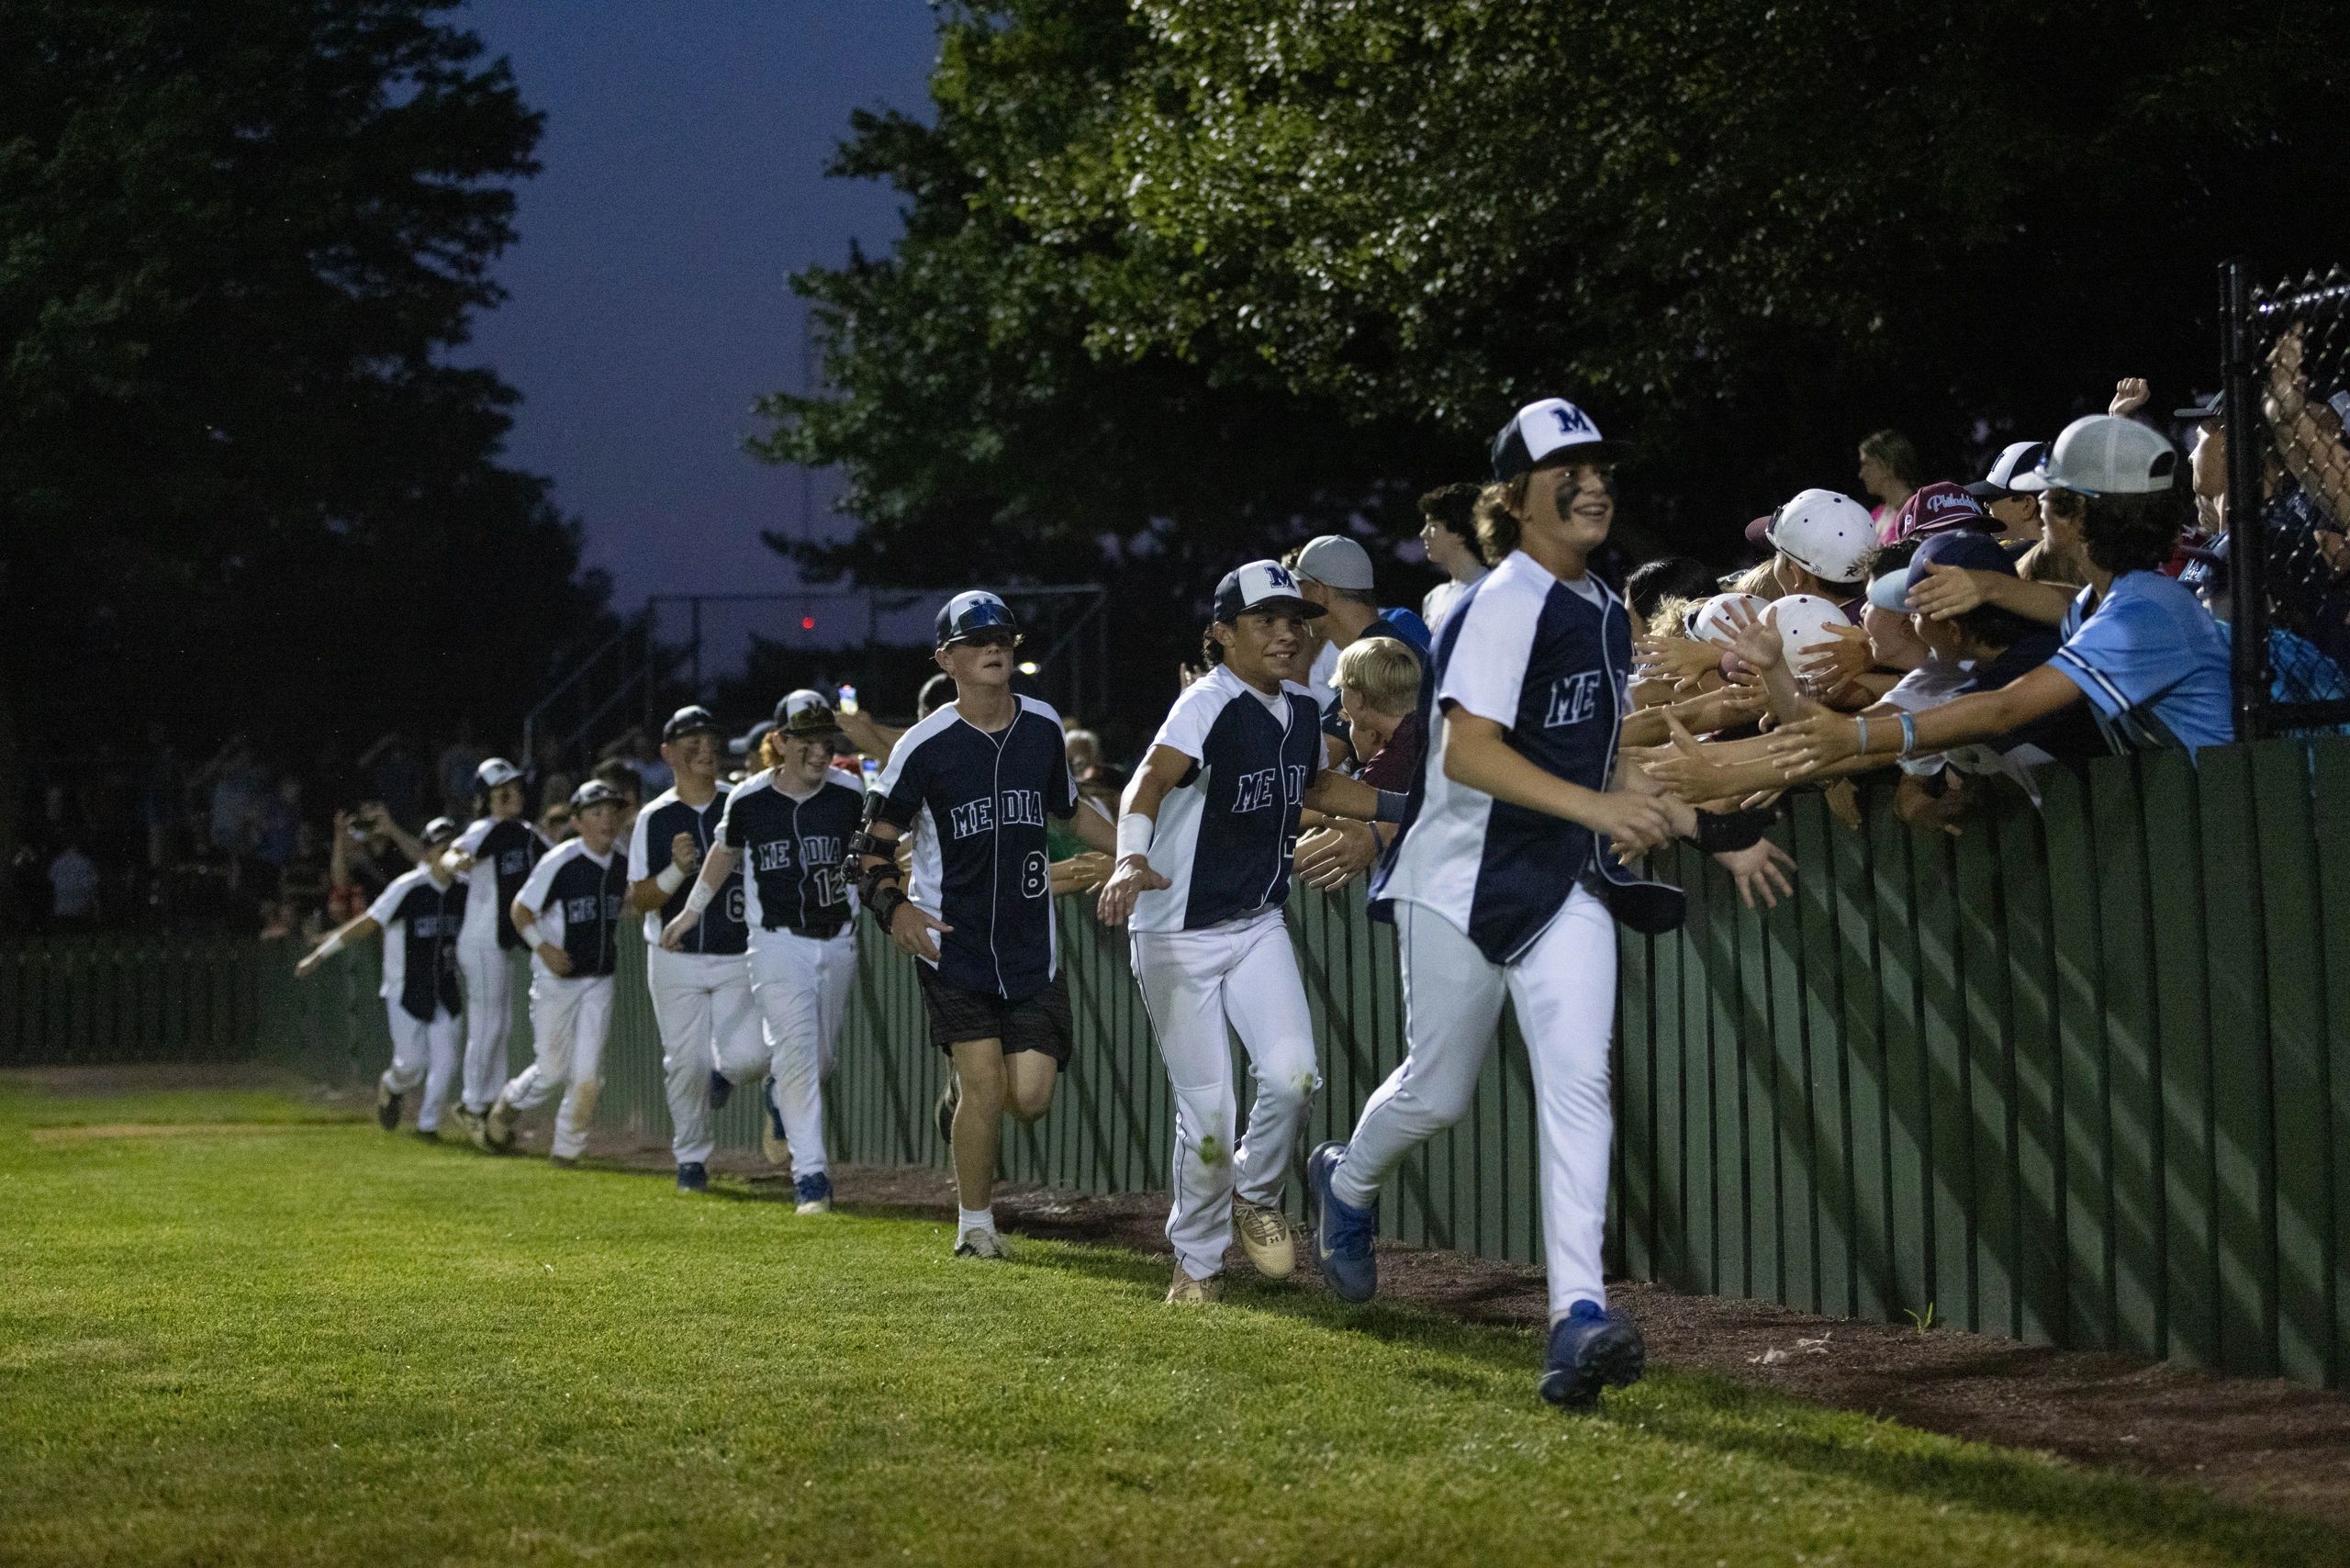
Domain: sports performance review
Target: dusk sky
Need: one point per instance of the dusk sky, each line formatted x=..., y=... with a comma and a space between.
x=684, y=153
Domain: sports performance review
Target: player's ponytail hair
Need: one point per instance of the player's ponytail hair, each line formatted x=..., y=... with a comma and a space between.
x=1499, y=508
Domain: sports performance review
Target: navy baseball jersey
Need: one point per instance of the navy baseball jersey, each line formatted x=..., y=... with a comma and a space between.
x=1549, y=661
x=719, y=931
x=792, y=849
x=975, y=805
x=503, y=851
x=581, y=897
x=420, y=919
x=1226, y=832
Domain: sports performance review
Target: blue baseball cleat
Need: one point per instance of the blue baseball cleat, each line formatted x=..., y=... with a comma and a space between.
x=815, y=1193
x=721, y=1090
x=1342, y=1233
x=693, y=1176
x=1592, y=1349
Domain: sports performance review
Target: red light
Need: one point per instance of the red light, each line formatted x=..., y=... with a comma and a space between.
x=807, y=623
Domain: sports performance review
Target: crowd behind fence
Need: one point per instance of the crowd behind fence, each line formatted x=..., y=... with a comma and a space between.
x=2080, y=1078
x=2285, y=398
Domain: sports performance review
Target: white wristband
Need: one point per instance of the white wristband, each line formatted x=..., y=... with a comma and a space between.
x=1134, y=834
x=699, y=900
x=672, y=877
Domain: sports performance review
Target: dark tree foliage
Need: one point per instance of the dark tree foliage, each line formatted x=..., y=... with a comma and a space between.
x=238, y=488
x=1184, y=278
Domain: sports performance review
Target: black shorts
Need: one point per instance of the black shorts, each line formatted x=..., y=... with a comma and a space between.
x=1038, y=1023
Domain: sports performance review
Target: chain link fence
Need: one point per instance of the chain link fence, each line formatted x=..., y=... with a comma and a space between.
x=2271, y=448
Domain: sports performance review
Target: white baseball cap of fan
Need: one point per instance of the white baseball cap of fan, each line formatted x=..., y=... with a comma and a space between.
x=1803, y=621
x=1828, y=534
x=1718, y=620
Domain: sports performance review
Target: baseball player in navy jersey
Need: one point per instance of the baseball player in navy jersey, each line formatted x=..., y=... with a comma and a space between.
x=702, y=986
x=971, y=785
x=419, y=913
x=790, y=827
x=1507, y=884
x=494, y=854
x=1206, y=831
x=570, y=913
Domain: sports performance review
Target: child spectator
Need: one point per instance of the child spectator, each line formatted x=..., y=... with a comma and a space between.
x=1379, y=692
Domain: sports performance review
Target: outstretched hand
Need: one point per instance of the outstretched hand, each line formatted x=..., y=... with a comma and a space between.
x=1329, y=857
x=1134, y=878
x=1822, y=741
x=1761, y=872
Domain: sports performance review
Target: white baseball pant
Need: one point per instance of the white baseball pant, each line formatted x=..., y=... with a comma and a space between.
x=1242, y=973
x=569, y=1019
x=800, y=984
x=702, y=1003
x=1564, y=989
x=422, y=1053
x=488, y=971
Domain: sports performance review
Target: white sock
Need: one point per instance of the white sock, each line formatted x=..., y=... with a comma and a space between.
x=974, y=1219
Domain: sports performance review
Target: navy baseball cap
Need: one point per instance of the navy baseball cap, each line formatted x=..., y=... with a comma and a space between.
x=2015, y=471
x=596, y=792
x=1967, y=547
x=690, y=720
x=1267, y=587
x=748, y=745
x=968, y=614
x=440, y=830
x=1542, y=431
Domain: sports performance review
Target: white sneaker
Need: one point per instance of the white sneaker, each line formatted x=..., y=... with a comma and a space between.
x=1266, y=1237
x=977, y=1243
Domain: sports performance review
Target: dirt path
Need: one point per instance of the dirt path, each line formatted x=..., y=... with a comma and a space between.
x=2261, y=1442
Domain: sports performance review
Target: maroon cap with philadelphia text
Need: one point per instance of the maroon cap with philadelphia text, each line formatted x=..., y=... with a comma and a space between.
x=1938, y=508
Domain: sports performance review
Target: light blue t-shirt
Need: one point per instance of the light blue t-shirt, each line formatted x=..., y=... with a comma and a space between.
x=2151, y=663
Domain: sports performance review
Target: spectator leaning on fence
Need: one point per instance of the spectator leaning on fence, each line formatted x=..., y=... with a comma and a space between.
x=2137, y=647
x=1379, y=693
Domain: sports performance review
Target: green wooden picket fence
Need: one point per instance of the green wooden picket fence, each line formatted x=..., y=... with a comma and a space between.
x=2079, y=1076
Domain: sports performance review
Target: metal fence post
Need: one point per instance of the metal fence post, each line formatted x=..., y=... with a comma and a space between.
x=2247, y=539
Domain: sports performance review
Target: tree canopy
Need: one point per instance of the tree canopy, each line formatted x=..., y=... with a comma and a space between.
x=242, y=487
x=1181, y=279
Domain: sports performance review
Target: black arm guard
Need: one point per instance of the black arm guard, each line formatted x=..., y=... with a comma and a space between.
x=884, y=904
x=1718, y=833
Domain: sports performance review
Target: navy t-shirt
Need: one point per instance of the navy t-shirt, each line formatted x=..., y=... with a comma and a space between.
x=974, y=805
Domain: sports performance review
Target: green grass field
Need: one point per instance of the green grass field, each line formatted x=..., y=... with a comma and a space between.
x=234, y=1330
